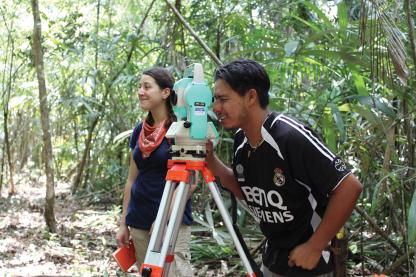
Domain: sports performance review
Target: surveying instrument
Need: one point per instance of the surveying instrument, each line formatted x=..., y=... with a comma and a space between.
x=190, y=132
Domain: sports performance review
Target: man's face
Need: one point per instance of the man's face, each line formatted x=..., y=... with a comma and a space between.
x=229, y=106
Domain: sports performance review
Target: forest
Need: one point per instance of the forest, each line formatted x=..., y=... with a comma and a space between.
x=69, y=72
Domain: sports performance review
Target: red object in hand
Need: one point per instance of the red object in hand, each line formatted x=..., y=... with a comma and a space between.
x=125, y=257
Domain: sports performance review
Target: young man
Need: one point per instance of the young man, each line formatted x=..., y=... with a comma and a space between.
x=301, y=192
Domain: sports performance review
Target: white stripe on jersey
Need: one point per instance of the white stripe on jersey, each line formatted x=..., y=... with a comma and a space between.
x=274, y=120
x=307, y=134
x=269, y=139
x=242, y=144
x=316, y=219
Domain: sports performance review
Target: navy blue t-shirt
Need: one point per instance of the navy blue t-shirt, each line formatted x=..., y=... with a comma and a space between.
x=147, y=189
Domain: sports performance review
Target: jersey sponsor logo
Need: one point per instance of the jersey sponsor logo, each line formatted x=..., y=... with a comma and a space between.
x=272, y=216
x=339, y=165
x=267, y=199
x=278, y=178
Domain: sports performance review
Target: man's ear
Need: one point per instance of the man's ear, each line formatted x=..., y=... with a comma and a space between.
x=252, y=96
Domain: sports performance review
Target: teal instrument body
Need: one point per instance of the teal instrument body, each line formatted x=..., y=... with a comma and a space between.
x=196, y=101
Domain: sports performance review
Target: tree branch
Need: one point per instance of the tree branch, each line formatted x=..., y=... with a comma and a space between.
x=194, y=34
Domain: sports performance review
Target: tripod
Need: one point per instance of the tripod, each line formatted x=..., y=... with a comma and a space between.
x=159, y=255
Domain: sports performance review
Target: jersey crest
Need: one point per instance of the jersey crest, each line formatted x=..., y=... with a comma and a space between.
x=278, y=178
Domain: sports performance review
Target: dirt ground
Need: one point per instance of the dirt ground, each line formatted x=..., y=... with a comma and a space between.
x=82, y=246
x=85, y=239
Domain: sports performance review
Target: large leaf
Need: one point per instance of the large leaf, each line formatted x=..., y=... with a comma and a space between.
x=378, y=103
x=412, y=221
x=122, y=136
x=342, y=19
x=360, y=84
x=291, y=47
x=339, y=122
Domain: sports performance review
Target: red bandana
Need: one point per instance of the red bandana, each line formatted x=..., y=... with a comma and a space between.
x=151, y=137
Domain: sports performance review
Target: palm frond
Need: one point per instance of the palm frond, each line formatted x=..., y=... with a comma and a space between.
x=385, y=45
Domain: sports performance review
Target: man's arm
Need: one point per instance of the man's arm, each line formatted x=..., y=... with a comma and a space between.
x=218, y=168
x=340, y=206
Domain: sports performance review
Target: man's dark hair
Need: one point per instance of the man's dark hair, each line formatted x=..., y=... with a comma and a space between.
x=242, y=75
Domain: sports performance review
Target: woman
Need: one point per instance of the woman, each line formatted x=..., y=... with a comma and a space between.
x=147, y=171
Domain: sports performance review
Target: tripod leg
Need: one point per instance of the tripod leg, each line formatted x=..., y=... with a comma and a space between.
x=228, y=223
x=174, y=224
x=159, y=254
x=159, y=225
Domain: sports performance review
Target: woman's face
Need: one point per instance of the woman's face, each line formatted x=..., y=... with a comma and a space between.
x=151, y=96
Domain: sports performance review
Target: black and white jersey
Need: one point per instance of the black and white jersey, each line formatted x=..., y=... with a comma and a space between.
x=286, y=181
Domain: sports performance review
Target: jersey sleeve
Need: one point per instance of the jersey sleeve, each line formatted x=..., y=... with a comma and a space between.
x=312, y=163
x=135, y=136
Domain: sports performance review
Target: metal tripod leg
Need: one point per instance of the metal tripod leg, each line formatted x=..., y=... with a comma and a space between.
x=160, y=255
x=228, y=223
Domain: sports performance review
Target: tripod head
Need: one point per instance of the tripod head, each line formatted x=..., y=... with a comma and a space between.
x=193, y=99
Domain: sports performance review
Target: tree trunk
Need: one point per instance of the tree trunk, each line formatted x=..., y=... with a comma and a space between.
x=6, y=98
x=340, y=249
x=80, y=173
x=44, y=114
x=2, y=167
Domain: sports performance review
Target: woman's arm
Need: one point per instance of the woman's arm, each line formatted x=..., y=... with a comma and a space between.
x=123, y=234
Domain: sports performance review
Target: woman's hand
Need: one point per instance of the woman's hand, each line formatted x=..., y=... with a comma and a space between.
x=123, y=235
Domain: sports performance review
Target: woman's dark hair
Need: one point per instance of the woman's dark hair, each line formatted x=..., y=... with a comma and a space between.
x=164, y=79
x=242, y=75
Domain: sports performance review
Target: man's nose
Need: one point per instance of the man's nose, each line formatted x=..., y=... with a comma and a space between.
x=216, y=107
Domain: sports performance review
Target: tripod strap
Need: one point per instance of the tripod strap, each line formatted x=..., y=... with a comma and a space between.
x=253, y=263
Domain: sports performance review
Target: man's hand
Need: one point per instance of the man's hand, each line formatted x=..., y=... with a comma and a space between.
x=304, y=256
x=209, y=149
x=123, y=236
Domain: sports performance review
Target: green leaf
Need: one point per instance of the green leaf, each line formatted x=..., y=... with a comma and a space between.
x=123, y=135
x=343, y=19
x=291, y=46
x=367, y=114
x=329, y=132
x=359, y=84
x=412, y=221
x=339, y=121
x=376, y=102
x=319, y=12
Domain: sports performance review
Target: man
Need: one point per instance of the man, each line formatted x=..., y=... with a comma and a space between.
x=301, y=192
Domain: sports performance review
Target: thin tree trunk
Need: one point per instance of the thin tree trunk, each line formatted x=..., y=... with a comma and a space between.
x=2, y=167
x=340, y=248
x=44, y=115
x=6, y=97
x=78, y=178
